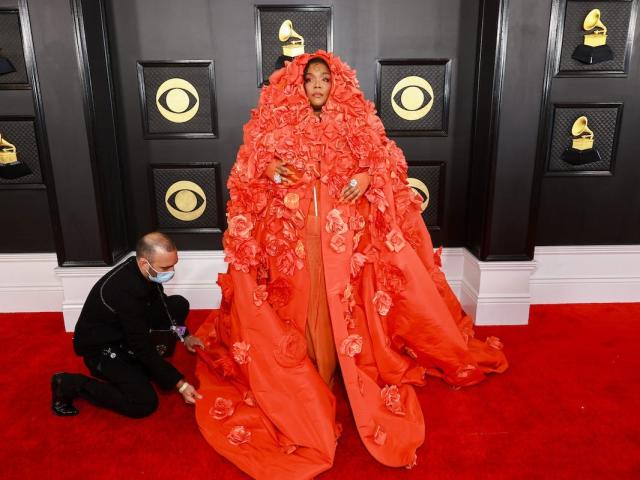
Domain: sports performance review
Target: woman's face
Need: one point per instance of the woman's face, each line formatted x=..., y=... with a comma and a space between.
x=317, y=84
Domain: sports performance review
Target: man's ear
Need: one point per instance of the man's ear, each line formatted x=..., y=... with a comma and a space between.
x=141, y=263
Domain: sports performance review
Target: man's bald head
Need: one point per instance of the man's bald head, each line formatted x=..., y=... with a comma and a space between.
x=152, y=243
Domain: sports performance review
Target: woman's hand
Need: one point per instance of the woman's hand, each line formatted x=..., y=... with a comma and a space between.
x=287, y=174
x=352, y=193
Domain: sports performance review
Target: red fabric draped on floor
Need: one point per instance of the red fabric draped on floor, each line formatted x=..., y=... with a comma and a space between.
x=566, y=409
x=390, y=314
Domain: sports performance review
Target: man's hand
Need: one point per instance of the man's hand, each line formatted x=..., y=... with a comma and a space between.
x=188, y=392
x=351, y=194
x=191, y=342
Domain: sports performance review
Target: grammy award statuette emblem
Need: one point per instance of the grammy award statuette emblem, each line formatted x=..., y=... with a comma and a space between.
x=594, y=48
x=10, y=167
x=581, y=150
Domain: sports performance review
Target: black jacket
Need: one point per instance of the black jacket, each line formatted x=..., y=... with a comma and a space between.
x=117, y=311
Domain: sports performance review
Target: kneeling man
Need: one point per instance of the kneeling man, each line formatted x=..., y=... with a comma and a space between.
x=113, y=336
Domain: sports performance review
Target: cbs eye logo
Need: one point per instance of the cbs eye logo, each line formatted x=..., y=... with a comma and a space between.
x=412, y=98
x=185, y=200
x=420, y=189
x=177, y=100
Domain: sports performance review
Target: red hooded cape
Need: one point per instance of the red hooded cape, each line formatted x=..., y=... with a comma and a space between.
x=393, y=315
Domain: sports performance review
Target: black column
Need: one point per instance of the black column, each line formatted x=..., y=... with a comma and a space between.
x=94, y=64
x=28, y=210
x=72, y=50
x=509, y=79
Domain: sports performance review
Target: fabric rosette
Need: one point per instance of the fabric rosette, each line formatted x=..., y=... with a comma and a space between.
x=260, y=295
x=240, y=226
x=240, y=353
x=382, y=301
x=391, y=397
x=292, y=349
x=351, y=346
x=222, y=408
x=239, y=435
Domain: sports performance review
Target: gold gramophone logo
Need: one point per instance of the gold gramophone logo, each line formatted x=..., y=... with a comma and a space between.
x=420, y=189
x=8, y=152
x=582, y=149
x=295, y=45
x=592, y=23
x=185, y=200
x=412, y=98
x=10, y=167
x=594, y=48
x=583, y=135
x=177, y=100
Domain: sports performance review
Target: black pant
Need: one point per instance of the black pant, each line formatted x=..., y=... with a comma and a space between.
x=127, y=388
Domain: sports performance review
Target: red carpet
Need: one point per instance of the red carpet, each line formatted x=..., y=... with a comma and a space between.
x=566, y=409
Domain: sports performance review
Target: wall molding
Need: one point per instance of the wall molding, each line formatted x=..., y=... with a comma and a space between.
x=494, y=293
x=28, y=283
x=586, y=274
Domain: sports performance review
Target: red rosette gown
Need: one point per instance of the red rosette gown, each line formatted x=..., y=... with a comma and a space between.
x=313, y=281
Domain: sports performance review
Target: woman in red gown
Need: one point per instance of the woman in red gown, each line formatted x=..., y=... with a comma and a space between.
x=330, y=264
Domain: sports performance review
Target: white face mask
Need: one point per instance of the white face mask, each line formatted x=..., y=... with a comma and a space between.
x=160, y=277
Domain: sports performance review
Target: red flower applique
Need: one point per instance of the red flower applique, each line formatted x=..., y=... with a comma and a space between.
x=260, y=294
x=335, y=223
x=292, y=349
x=357, y=222
x=286, y=263
x=225, y=367
x=222, y=408
x=275, y=246
x=240, y=226
x=351, y=346
x=390, y=278
x=394, y=241
x=239, y=435
x=279, y=292
x=382, y=301
x=240, y=353
x=338, y=243
x=243, y=255
x=391, y=397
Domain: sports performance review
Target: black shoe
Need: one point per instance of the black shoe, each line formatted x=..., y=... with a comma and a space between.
x=61, y=403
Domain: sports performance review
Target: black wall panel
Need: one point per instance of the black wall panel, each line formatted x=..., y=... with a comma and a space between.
x=28, y=205
x=63, y=105
x=144, y=30
x=592, y=209
x=497, y=198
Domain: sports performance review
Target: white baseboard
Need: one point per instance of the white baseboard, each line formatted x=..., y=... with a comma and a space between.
x=494, y=293
x=586, y=274
x=28, y=283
